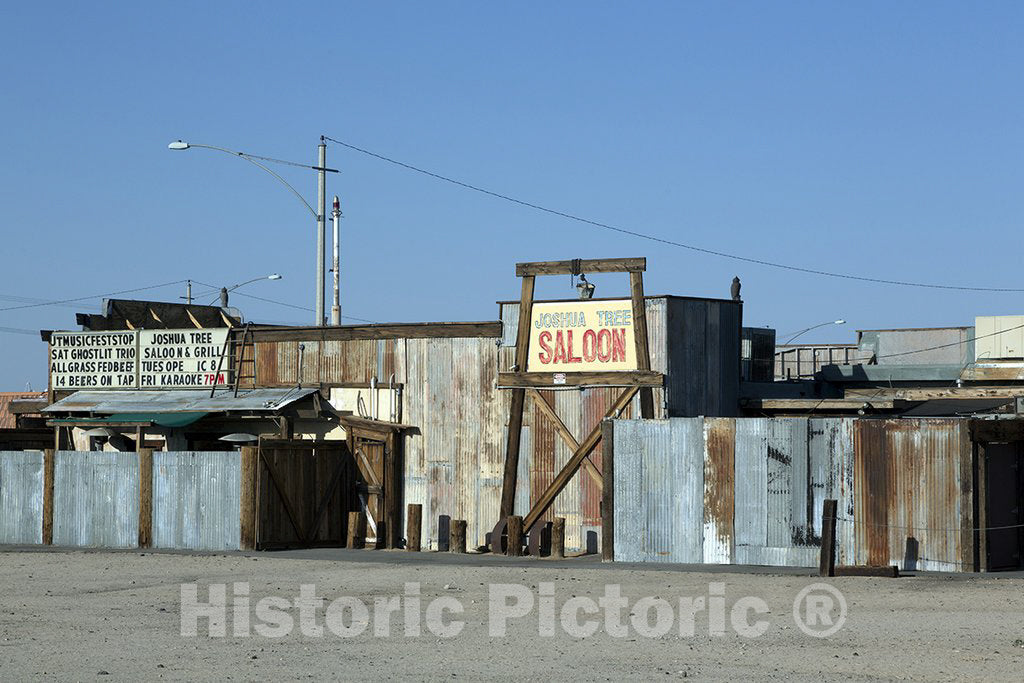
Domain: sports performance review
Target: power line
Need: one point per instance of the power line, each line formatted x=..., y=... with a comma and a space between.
x=944, y=346
x=19, y=330
x=284, y=303
x=95, y=296
x=662, y=240
x=28, y=299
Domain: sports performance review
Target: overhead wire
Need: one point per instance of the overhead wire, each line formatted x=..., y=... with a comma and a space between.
x=94, y=296
x=283, y=303
x=662, y=240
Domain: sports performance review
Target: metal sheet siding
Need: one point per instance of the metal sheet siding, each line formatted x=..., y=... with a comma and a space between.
x=830, y=452
x=96, y=499
x=659, y=482
x=702, y=346
x=196, y=500
x=751, y=483
x=21, y=497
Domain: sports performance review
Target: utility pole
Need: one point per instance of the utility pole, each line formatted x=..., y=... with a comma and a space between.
x=188, y=292
x=336, y=270
x=321, y=229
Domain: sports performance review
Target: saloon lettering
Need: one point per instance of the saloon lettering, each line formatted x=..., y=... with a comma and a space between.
x=581, y=336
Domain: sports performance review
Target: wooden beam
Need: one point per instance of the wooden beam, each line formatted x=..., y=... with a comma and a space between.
x=889, y=572
x=565, y=475
x=601, y=265
x=819, y=403
x=546, y=380
x=48, y=456
x=395, y=331
x=643, y=353
x=566, y=435
x=413, y=525
x=249, y=476
x=515, y=419
x=608, y=491
x=827, y=559
x=145, y=497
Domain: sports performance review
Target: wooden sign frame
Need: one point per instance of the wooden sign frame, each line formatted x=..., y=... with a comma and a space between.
x=519, y=380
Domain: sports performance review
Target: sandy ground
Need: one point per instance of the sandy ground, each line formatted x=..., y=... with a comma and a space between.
x=117, y=616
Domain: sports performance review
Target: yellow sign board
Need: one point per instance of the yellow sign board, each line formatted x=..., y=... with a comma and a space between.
x=582, y=336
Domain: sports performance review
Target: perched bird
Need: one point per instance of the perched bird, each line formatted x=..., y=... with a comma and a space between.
x=736, y=289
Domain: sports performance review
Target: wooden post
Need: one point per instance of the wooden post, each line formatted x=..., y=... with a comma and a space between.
x=458, y=536
x=643, y=354
x=247, y=507
x=356, y=530
x=444, y=530
x=608, y=491
x=558, y=538
x=48, y=456
x=515, y=536
x=827, y=565
x=413, y=525
x=515, y=420
x=145, y=497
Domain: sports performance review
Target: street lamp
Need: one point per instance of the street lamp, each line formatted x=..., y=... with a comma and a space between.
x=224, y=290
x=814, y=327
x=319, y=216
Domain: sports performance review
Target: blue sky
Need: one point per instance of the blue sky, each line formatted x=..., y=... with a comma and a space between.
x=876, y=139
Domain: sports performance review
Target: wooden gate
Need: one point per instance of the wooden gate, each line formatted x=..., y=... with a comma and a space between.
x=377, y=453
x=304, y=492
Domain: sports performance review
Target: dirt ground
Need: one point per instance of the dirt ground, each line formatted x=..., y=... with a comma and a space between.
x=118, y=616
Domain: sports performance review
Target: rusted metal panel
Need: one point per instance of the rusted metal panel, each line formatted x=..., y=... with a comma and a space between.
x=21, y=497
x=544, y=446
x=96, y=499
x=719, y=489
x=871, y=486
x=196, y=500
x=927, y=503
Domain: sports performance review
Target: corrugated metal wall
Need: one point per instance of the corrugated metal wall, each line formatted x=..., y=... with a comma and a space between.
x=196, y=500
x=96, y=499
x=21, y=497
x=454, y=464
x=764, y=481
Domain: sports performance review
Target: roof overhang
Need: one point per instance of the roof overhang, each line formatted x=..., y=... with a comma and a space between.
x=177, y=401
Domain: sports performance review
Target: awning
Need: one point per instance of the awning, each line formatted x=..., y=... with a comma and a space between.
x=122, y=419
x=177, y=401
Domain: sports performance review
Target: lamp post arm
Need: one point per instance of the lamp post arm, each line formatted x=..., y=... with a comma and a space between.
x=252, y=161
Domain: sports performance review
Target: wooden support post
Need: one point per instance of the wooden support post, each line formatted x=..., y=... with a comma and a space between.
x=643, y=354
x=608, y=491
x=48, y=456
x=145, y=497
x=356, y=530
x=413, y=525
x=827, y=564
x=247, y=508
x=444, y=531
x=457, y=544
x=565, y=475
x=558, y=538
x=515, y=536
x=515, y=420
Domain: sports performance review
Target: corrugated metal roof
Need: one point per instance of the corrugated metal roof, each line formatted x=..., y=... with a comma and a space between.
x=176, y=401
x=7, y=418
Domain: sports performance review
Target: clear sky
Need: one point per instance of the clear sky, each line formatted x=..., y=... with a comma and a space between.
x=876, y=139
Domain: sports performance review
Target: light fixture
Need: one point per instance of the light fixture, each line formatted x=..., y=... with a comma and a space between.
x=586, y=289
x=239, y=437
x=178, y=144
x=99, y=432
